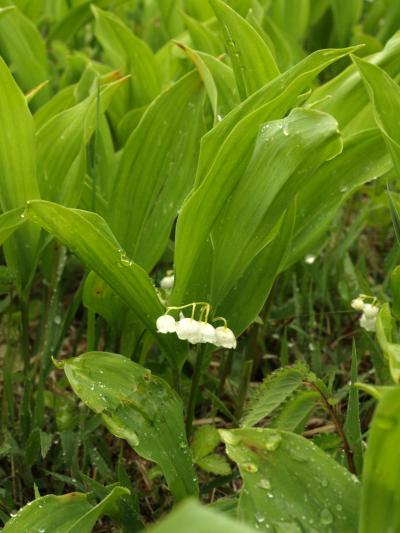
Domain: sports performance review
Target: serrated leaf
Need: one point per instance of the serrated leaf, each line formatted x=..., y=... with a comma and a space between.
x=205, y=440
x=138, y=407
x=296, y=410
x=290, y=484
x=215, y=464
x=272, y=392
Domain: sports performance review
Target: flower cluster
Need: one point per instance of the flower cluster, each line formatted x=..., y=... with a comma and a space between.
x=197, y=331
x=369, y=311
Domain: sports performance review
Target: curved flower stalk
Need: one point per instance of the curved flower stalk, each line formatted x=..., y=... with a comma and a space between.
x=197, y=331
x=368, y=309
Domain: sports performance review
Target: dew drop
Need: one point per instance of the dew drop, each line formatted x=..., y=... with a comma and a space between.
x=326, y=517
x=273, y=442
x=264, y=484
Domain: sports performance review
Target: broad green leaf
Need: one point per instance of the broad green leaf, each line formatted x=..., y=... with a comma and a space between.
x=17, y=172
x=345, y=16
x=275, y=98
x=88, y=235
x=62, y=514
x=286, y=153
x=202, y=37
x=140, y=408
x=192, y=517
x=290, y=484
x=101, y=299
x=345, y=96
x=224, y=80
x=293, y=17
x=391, y=350
x=24, y=49
x=75, y=18
x=10, y=221
x=252, y=60
x=62, y=100
x=218, y=80
x=237, y=183
x=385, y=97
x=258, y=278
x=380, y=482
x=61, y=143
x=157, y=169
x=364, y=158
x=171, y=20
x=273, y=392
x=128, y=52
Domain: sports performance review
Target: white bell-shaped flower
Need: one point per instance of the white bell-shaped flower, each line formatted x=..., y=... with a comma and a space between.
x=358, y=304
x=166, y=324
x=167, y=282
x=225, y=337
x=187, y=329
x=207, y=332
x=370, y=311
x=368, y=324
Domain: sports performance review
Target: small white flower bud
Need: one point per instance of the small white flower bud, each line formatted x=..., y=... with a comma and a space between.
x=187, y=329
x=207, y=333
x=166, y=324
x=370, y=311
x=358, y=304
x=368, y=324
x=167, y=282
x=225, y=337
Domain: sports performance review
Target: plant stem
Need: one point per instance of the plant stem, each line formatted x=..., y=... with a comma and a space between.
x=201, y=350
x=243, y=387
x=25, y=345
x=338, y=426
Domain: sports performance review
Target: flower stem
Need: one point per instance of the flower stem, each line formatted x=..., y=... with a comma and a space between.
x=201, y=350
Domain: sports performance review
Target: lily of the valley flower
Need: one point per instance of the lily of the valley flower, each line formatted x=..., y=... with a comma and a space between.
x=197, y=331
x=166, y=324
x=225, y=337
x=167, y=282
x=369, y=311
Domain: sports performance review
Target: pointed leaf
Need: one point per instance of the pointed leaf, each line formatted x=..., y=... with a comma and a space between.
x=379, y=509
x=139, y=407
x=157, y=170
x=17, y=172
x=252, y=60
x=290, y=484
x=91, y=239
x=64, y=514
